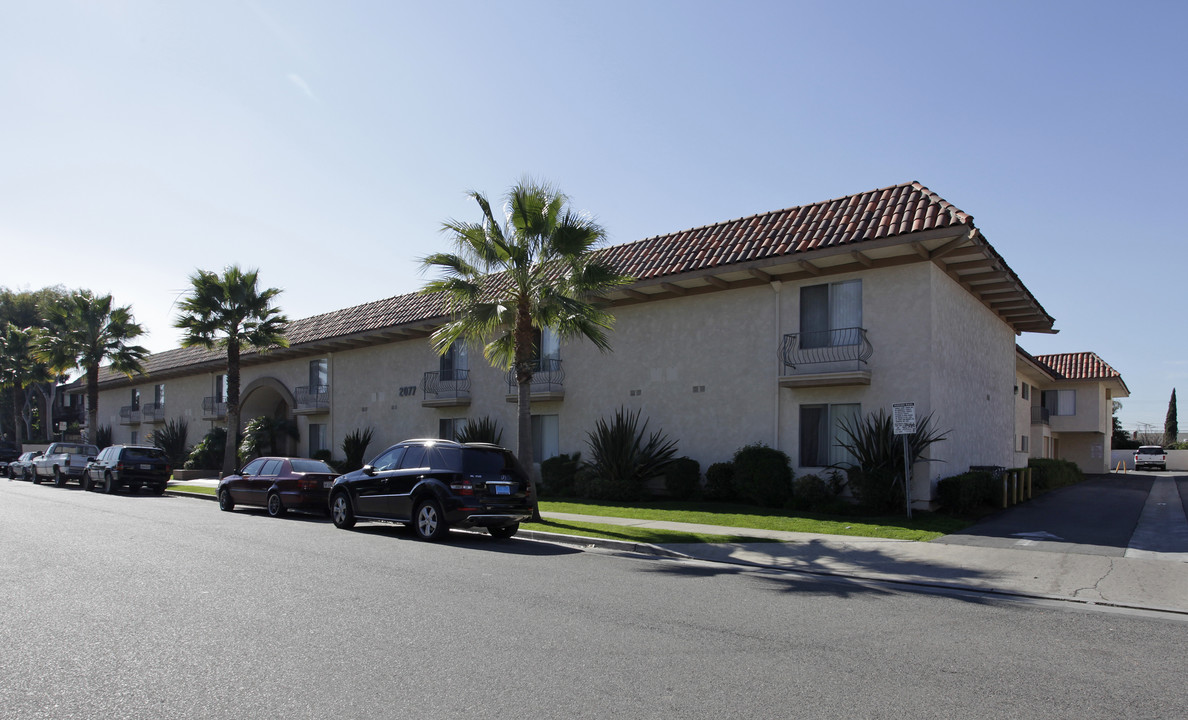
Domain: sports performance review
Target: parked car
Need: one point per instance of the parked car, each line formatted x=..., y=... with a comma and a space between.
x=279, y=484
x=64, y=461
x=434, y=485
x=1151, y=456
x=22, y=467
x=130, y=466
x=9, y=452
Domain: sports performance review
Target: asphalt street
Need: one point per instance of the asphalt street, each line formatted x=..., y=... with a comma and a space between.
x=163, y=607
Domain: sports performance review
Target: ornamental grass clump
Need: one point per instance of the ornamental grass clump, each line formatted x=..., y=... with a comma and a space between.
x=623, y=456
x=876, y=475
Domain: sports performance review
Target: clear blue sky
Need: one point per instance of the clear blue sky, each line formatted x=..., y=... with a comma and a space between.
x=325, y=142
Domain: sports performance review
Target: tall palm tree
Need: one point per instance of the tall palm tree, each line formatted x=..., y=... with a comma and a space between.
x=85, y=331
x=230, y=311
x=508, y=280
x=19, y=368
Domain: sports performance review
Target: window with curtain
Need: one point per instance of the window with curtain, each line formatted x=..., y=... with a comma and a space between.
x=1059, y=402
x=830, y=313
x=453, y=363
x=544, y=437
x=319, y=374
x=821, y=433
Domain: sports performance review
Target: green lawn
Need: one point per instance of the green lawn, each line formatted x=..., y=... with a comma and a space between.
x=923, y=525
x=633, y=534
x=199, y=489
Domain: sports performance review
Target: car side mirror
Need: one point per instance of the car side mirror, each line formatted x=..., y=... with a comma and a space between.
x=90, y=459
x=368, y=470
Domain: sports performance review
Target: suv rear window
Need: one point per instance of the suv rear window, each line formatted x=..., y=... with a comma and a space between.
x=481, y=461
x=143, y=454
x=1150, y=450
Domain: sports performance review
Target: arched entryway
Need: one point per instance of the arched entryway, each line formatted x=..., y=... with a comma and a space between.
x=269, y=397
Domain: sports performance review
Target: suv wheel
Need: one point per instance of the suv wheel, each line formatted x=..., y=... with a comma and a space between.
x=275, y=507
x=59, y=479
x=226, y=504
x=503, y=532
x=341, y=511
x=159, y=488
x=428, y=520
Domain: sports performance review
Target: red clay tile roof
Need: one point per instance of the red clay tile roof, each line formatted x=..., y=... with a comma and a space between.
x=1078, y=366
x=896, y=210
x=882, y=213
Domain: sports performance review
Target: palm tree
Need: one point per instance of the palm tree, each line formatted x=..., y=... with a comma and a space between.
x=230, y=311
x=507, y=281
x=85, y=331
x=19, y=368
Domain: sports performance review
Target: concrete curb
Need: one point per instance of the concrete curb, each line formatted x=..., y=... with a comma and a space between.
x=183, y=493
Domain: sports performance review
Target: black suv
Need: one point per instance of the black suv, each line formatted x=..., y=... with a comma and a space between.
x=132, y=466
x=434, y=485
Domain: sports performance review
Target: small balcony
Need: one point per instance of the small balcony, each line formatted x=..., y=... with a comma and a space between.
x=548, y=381
x=153, y=412
x=446, y=388
x=70, y=414
x=130, y=415
x=1040, y=415
x=214, y=408
x=312, y=399
x=826, y=358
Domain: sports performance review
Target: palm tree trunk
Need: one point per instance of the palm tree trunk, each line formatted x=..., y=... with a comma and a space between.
x=16, y=416
x=230, y=453
x=523, y=368
x=92, y=405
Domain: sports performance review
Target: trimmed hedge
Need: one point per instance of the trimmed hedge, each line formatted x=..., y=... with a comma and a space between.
x=1048, y=474
x=682, y=479
x=559, y=476
x=719, y=482
x=969, y=492
x=763, y=475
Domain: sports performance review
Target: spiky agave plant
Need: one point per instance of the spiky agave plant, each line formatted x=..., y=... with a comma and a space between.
x=623, y=456
x=878, y=455
x=354, y=447
x=485, y=430
x=171, y=437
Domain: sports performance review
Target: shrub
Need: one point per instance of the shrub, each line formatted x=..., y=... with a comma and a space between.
x=682, y=479
x=763, y=475
x=171, y=437
x=323, y=455
x=876, y=491
x=878, y=454
x=623, y=457
x=719, y=482
x=103, y=436
x=484, y=430
x=1049, y=474
x=354, y=447
x=811, y=493
x=208, y=454
x=558, y=475
x=968, y=492
x=263, y=436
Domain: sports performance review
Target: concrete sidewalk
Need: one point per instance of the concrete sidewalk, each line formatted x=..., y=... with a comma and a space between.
x=1155, y=581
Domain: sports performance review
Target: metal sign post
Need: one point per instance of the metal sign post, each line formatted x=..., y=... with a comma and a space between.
x=903, y=416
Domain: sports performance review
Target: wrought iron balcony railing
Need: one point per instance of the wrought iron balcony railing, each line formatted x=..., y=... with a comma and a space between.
x=153, y=412
x=446, y=385
x=1040, y=415
x=312, y=397
x=129, y=415
x=826, y=351
x=214, y=408
x=548, y=377
x=70, y=413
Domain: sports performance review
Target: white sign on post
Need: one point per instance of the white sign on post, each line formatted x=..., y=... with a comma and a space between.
x=903, y=415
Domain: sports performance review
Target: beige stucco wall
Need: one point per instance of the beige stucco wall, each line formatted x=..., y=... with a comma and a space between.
x=702, y=368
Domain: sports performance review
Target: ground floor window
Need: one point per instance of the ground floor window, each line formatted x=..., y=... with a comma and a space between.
x=135, y=438
x=1023, y=443
x=448, y=428
x=820, y=433
x=544, y=437
x=317, y=438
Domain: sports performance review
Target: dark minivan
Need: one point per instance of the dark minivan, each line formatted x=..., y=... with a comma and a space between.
x=434, y=485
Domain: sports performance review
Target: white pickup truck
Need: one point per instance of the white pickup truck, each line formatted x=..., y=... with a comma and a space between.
x=64, y=461
x=1150, y=456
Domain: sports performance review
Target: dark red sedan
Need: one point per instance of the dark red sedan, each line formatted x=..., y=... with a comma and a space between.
x=279, y=484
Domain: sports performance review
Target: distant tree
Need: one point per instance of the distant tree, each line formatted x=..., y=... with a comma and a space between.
x=230, y=311
x=19, y=368
x=86, y=331
x=1120, y=440
x=1171, y=426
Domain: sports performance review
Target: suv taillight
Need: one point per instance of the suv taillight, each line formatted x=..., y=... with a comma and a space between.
x=462, y=487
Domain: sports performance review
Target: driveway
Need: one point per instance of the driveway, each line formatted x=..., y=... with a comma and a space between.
x=1127, y=515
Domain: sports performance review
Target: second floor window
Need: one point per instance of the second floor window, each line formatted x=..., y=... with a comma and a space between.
x=159, y=395
x=135, y=399
x=546, y=349
x=453, y=364
x=1059, y=402
x=220, y=388
x=319, y=374
x=831, y=314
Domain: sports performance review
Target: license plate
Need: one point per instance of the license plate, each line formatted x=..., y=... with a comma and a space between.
x=327, y=483
x=503, y=490
x=146, y=467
